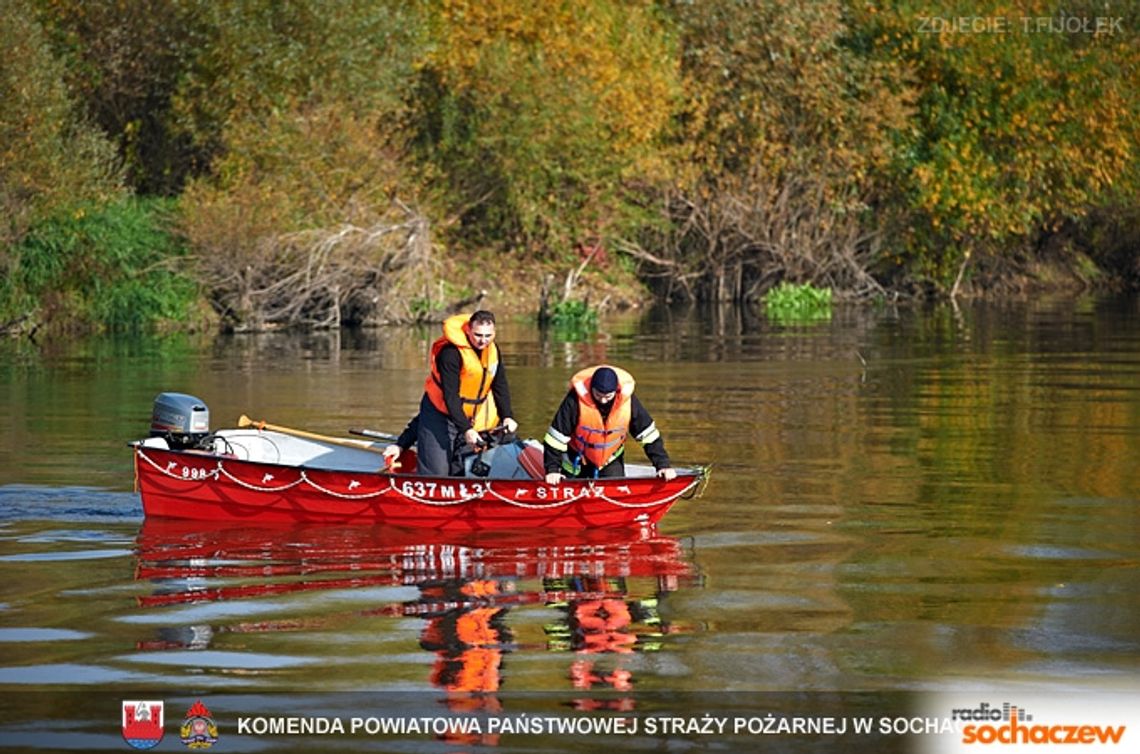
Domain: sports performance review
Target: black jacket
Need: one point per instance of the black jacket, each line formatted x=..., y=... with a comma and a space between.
x=450, y=363
x=566, y=421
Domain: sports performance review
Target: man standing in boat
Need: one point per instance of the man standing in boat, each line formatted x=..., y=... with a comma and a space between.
x=465, y=393
x=587, y=437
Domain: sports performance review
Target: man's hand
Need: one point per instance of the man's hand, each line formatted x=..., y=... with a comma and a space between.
x=391, y=454
x=473, y=439
x=554, y=478
x=510, y=424
x=667, y=474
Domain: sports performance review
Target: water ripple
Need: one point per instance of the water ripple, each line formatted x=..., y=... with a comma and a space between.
x=40, y=634
x=31, y=557
x=21, y=502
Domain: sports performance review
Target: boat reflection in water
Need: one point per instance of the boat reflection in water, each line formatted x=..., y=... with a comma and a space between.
x=598, y=593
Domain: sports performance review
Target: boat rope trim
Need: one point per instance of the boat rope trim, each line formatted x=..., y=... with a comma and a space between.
x=590, y=490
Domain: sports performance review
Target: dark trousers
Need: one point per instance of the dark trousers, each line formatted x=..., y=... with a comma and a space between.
x=437, y=443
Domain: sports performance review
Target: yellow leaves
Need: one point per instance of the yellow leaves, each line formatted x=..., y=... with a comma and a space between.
x=597, y=59
x=1016, y=127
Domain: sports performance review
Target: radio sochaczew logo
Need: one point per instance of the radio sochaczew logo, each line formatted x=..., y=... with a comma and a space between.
x=1012, y=724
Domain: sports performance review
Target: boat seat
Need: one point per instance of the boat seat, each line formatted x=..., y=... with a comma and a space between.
x=531, y=461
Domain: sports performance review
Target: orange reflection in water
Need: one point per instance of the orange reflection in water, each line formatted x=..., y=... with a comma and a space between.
x=468, y=585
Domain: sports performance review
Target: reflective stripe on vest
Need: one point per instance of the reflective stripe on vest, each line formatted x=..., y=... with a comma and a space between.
x=556, y=439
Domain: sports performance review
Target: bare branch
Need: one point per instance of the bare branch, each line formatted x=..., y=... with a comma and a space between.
x=321, y=277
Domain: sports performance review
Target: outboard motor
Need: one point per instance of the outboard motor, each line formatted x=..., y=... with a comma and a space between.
x=182, y=420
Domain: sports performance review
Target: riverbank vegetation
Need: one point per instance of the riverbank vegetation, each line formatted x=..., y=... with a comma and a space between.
x=313, y=164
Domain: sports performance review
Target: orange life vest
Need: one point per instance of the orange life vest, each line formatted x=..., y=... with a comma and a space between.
x=596, y=440
x=597, y=616
x=475, y=627
x=475, y=375
x=479, y=671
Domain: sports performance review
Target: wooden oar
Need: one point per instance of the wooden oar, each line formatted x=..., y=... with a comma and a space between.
x=244, y=421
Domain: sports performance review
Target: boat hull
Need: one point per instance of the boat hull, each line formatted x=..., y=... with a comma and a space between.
x=204, y=486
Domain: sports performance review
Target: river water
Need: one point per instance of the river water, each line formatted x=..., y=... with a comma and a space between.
x=902, y=501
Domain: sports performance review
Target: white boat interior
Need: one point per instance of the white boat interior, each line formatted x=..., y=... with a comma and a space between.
x=349, y=454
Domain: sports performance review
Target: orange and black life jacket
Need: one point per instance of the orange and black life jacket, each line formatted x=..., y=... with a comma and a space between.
x=475, y=375
x=595, y=439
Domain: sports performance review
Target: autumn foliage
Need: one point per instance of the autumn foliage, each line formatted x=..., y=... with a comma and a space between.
x=540, y=114
x=876, y=147
x=1015, y=131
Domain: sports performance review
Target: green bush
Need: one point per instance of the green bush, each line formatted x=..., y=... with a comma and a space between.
x=789, y=303
x=573, y=320
x=105, y=267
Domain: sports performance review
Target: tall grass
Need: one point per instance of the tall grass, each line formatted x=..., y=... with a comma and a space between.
x=106, y=267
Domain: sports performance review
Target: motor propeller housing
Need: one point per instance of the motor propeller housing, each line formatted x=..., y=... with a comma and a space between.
x=182, y=420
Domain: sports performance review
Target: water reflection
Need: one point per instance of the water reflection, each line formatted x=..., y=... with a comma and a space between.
x=601, y=625
x=900, y=496
x=474, y=599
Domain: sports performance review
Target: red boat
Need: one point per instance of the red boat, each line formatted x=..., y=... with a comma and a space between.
x=266, y=473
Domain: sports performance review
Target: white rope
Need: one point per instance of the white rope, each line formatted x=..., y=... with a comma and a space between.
x=591, y=490
x=213, y=472
x=535, y=506
x=662, y=501
x=254, y=487
x=341, y=495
